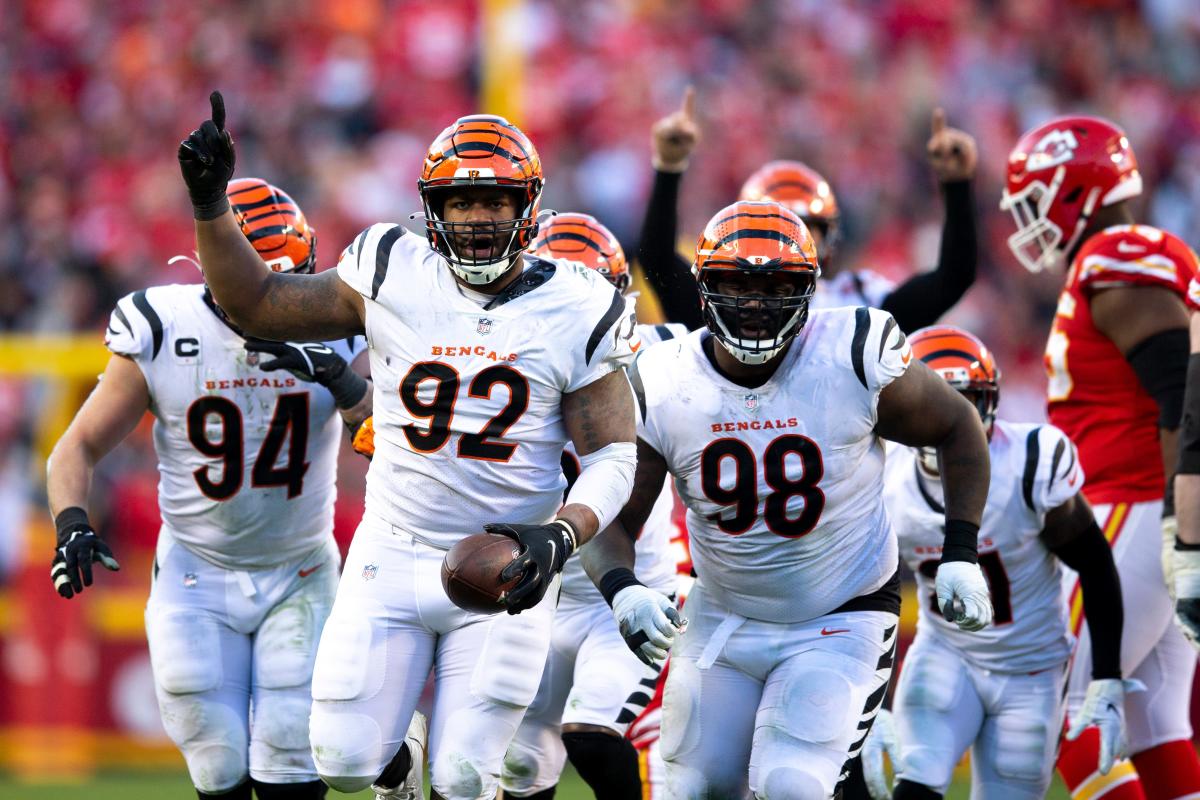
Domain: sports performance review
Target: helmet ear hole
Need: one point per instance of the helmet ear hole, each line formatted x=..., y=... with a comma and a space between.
x=1073, y=195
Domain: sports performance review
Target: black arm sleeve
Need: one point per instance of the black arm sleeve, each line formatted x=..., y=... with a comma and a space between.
x=1161, y=364
x=1189, y=426
x=667, y=272
x=1088, y=554
x=920, y=300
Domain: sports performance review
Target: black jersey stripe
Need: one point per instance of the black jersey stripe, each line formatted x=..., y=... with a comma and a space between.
x=888, y=327
x=1033, y=454
x=356, y=248
x=614, y=312
x=124, y=319
x=862, y=326
x=1059, y=450
x=664, y=332
x=639, y=388
x=156, y=328
x=383, y=256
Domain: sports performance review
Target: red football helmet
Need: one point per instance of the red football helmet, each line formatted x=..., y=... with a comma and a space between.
x=274, y=224
x=581, y=237
x=481, y=150
x=743, y=244
x=1058, y=174
x=802, y=190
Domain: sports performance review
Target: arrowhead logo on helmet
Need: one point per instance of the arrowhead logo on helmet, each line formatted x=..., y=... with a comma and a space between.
x=1059, y=173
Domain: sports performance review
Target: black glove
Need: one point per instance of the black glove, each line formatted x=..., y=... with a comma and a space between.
x=78, y=547
x=206, y=159
x=545, y=549
x=316, y=363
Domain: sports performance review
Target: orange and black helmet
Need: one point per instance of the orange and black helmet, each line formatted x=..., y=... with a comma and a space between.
x=741, y=243
x=481, y=151
x=581, y=237
x=803, y=191
x=274, y=224
x=964, y=362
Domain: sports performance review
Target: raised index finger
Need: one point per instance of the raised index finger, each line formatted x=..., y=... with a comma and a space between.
x=938, y=123
x=689, y=102
x=218, y=110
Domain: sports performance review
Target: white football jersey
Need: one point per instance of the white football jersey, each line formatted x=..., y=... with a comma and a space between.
x=852, y=288
x=655, y=562
x=468, y=398
x=781, y=482
x=247, y=459
x=1034, y=469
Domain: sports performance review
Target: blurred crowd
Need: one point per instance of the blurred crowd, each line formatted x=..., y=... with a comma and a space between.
x=336, y=102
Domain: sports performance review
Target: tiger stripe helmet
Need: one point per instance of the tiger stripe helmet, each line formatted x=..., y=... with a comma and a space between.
x=481, y=150
x=803, y=191
x=965, y=363
x=274, y=224
x=753, y=239
x=581, y=237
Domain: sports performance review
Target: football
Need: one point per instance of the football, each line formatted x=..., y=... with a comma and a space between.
x=471, y=572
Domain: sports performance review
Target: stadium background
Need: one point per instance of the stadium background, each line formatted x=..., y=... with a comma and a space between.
x=336, y=101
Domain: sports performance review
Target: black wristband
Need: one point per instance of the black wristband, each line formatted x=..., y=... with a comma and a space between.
x=961, y=542
x=348, y=389
x=614, y=581
x=212, y=209
x=1180, y=544
x=70, y=520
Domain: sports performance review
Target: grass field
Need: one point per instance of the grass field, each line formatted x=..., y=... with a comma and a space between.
x=175, y=786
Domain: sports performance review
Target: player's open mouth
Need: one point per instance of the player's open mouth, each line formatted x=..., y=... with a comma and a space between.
x=479, y=247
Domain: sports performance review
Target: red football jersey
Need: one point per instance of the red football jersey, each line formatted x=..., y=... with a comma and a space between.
x=1094, y=395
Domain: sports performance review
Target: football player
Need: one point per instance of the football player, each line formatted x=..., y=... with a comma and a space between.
x=1182, y=564
x=1116, y=360
x=771, y=422
x=998, y=691
x=486, y=361
x=246, y=565
x=593, y=685
x=914, y=304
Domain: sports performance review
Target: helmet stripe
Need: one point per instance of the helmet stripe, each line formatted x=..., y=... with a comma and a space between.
x=557, y=236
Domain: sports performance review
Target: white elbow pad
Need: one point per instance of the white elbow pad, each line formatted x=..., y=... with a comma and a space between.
x=605, y=480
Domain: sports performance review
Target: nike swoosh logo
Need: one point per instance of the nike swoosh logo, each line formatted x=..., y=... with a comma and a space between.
x=635, y=346
x=828, y=632
x=1126, y=247
x=304, y=573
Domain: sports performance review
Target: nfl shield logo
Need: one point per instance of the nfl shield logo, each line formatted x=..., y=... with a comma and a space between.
x=369, y=572
x=189, y=580
x=751, y=402
x=252, y=359
x=484, y=327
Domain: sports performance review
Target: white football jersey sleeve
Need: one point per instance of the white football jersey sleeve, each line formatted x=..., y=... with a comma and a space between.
x=1035, y=469
x=468, y=398
x=247, y=459
x=781, y=482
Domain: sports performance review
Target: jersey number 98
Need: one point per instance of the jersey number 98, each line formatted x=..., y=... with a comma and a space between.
x=743, y=493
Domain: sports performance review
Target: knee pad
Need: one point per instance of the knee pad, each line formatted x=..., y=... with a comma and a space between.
x=347, y=748
x=525, y=769
x=789, y=783
x=309, y=790
x=906, y=790
x=818, y=704
x=280, y=751
x=931, y=682
x=607, y=762
x=457, y=778
x=212, y=737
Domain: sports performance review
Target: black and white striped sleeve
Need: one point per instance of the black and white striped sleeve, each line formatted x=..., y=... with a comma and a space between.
x=879, y=351
x=364, y=264
x=135, y=328
x=1052, y=474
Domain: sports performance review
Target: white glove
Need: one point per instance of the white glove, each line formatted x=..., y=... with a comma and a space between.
x=1169, y=529
x=1186, y=568
x=1104, y=708
x=959, y=580
x=648, y=620
x=881, y=739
